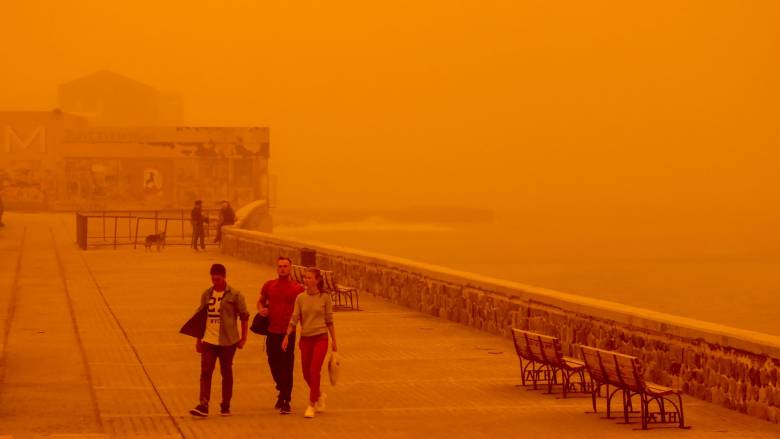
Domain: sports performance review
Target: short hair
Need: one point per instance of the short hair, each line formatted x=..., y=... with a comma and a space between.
x=218, y=269
x=284, y=258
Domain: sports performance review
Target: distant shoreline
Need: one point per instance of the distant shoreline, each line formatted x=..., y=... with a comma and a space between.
x=291, y=217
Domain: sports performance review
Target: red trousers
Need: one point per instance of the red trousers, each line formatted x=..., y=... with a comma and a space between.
x=313, y=351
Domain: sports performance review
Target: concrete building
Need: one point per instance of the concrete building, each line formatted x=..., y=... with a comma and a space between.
x=105, y=98
x=58, y=161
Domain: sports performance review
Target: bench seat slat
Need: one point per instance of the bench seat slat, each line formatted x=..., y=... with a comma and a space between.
x=658, y=390
x=573, y=362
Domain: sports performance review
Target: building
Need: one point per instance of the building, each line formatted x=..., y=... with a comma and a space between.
x=59, y=161
x=106, y=98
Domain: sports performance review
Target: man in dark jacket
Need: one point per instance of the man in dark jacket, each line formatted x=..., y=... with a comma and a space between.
x=217, y=336
x=227, y=217
x=196, y=218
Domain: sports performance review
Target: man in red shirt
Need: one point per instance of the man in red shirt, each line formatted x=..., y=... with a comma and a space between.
x=277, y=300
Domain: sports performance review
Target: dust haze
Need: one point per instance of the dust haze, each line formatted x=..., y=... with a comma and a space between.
x=604, y=127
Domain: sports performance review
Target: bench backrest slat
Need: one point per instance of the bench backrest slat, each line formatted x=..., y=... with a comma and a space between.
x=297, y=273
x=630, y=372
x=593, y=364
x=521, y=344
x=329, y=280
x=539, y=348
x=614, y=368
x=551, y=349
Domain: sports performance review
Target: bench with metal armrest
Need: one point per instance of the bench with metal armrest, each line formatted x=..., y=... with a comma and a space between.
x=542, y=360
x=625, y=373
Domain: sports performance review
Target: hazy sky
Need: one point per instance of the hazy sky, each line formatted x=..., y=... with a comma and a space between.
x=598, y=105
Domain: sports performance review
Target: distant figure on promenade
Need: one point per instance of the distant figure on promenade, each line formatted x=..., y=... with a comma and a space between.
x=314, y=311
x=215, y=327
x=277, y=301
x=197, y=219
x=227, y=217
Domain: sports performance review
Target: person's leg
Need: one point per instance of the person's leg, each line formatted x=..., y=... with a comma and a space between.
x=307, y=349
x=226, y=354
x=273, y=347
x=287, y=364
x=208, y=358
x=194, y=236
x=319, y=350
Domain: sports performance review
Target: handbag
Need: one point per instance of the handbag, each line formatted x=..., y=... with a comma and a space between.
x=259, y=324
x=334, y=367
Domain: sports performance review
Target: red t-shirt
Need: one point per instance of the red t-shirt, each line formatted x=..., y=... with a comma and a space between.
x=280, y=297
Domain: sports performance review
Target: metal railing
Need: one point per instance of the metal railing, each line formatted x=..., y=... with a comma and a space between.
x=115, y=228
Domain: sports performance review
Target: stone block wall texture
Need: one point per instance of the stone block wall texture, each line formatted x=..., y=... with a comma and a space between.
x=730, y=367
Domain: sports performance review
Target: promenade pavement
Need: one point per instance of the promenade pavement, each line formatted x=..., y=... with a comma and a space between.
x=90, y=349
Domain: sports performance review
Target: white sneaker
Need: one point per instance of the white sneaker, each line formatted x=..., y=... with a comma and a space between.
x=309, y=413
x=319, y=406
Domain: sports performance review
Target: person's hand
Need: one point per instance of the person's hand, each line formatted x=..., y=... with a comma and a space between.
x=241, y=343
x=333, y=347
x=263, y=312
x=284, y=343
x=198, y=346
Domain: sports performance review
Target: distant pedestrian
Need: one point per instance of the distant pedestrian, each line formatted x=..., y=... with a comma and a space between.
x=314, y=311
x=215, y=326
x=197, y=220
x=227, y=217
x=277, y=301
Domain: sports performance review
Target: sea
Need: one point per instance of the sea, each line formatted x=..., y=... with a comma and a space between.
x=722, y=270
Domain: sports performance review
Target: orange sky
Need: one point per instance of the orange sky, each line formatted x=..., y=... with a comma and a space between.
x=598, y=105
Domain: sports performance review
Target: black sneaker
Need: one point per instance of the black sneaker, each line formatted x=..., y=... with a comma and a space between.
x=278, y=404
x=285, y=408
x=200, y=411
x=224, y=410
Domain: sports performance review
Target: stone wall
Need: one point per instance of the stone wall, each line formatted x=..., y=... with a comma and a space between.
x=734, y=368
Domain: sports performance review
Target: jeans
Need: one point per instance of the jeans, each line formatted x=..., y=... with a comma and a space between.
x=208, y=359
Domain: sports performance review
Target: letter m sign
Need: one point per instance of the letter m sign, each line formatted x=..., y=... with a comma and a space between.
x=38, y=136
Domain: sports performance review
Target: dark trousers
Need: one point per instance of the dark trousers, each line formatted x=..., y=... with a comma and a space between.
x=208, y=359
x=281, y=363
x=198, y=234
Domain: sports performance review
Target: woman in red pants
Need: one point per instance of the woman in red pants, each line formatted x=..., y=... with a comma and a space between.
x=314, y=312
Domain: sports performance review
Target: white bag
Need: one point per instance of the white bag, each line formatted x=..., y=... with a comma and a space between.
x=334, y=365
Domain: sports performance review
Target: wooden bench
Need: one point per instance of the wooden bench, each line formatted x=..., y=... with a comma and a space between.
x=344, y=297
x=297, y=272
x=625, y=373
x=542, y=360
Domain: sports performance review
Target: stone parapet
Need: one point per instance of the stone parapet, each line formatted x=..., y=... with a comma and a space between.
x=734, y=368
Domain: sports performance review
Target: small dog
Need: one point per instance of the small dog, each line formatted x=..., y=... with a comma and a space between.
x=154, y=239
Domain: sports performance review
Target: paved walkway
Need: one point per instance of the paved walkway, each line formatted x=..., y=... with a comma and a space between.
x=90, y=348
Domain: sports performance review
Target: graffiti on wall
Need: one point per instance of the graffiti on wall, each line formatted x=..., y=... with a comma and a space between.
x=26, y=183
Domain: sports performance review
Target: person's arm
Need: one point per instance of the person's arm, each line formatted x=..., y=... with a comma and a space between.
x=243, y=314
x=262, y=302
x=296, y=316
x=332, y=330
x=329, y=321
x=244, y=327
